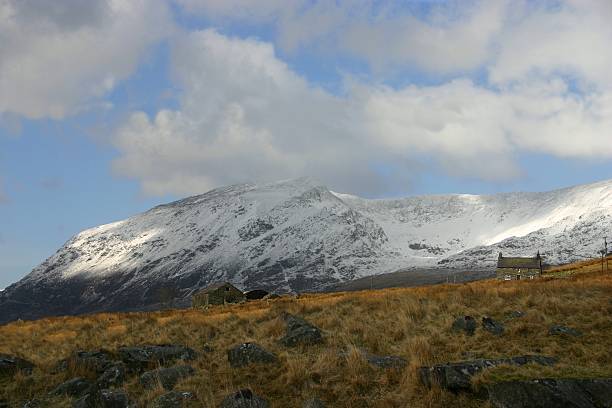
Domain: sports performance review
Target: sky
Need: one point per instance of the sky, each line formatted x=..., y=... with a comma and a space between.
x=110, y=107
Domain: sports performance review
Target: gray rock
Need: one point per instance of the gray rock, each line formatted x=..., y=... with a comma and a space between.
x=313, y=403
x=97, y=361
x=173, y=399
x=104, y=399
x=465, y=324
x=552, y=393
x=167, y=377
x=249, y=353
x=144, y=357
x=558, y=330
x=34, y=403
x=457, y=376
x=4, y=403
x=113, y=377
x=387, y=362
x=515, y=314
x=76, y=387
x=492, y=326
x=10, y=365
x=244, y=399
x=300, y=332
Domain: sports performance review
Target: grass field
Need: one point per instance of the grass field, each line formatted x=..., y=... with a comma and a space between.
x=410, y=322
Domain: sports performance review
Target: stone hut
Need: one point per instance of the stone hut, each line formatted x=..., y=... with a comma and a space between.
x=516, y=268
x=217, y=294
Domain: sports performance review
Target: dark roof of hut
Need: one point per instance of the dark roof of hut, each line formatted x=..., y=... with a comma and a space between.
x=216, y=286
x=518, y=262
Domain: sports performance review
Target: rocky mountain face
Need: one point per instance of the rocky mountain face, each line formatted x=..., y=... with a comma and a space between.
x=297, y=235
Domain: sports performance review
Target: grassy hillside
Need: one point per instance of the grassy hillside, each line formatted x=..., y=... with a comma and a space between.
x=410, y=322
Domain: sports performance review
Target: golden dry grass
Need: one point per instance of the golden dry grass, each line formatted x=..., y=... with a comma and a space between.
x=410, y=322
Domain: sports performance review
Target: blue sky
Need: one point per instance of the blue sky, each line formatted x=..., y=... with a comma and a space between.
x=109, y=108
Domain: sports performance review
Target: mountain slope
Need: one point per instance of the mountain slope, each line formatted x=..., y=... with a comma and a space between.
x=297, y=235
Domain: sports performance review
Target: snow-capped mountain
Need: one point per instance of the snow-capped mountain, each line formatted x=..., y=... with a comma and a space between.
x=297, y=235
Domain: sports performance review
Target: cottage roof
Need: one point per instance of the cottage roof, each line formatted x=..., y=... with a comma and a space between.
x=518, y=262
x=216, y=286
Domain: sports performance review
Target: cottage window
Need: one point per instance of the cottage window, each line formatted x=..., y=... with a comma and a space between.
x=227, y=289
x=507, y=277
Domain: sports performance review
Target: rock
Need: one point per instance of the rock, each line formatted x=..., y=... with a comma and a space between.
x=97, y=361
x=492, y=326
x=558, y=330
x=552, y=393
x=244, y=399
x=207, y=349
x=4, y=403
x=249, y=353
x=313, y=403
x=10, y=365
x=144, y=357
x=272, y=296
x=104, y=399
x=466, y=324
x=76, y=387
x=515, y=314
x=113, y=377
x=387, y=362
x=167, y=377
x=173, y=399
x=34, y=403
x=457, y=376
x=299, y=331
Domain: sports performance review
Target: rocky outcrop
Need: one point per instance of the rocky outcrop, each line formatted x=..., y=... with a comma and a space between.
x=492, y=326
x=144, y=357
x=105, y=399
x=457, y=376
x=10, y=365
x=173, y=399
x=166, y=377
x=300, y=332
x=244, y=399
x=552, y=393
x=75, y=387
x=558, y=330
x=97, y=361
x=249, y=353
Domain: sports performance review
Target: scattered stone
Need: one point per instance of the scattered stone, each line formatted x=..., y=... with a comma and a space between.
x=466, y=324
x=167, y=377
x=387, y=362
x=515, y=314
x=457, y=376
x=492, y=326
x=299, y=331
x=10, y=365
x=249, y=353
x=97, y=361
x=104, y=399
x=113, y=377
x=244, y=399
x=558, y=330
x=35, y=403
x=173, y=399
x=313, y=403
x=552, y=393
x=76, y=387
x=143, y=357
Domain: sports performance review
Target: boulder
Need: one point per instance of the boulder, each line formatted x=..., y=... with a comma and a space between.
x=113, y=377
x=387, y=362
x=457, y=376
x=249, y=353
x=167, y=377
x=173, y=399
x=552, y=393
x=492, y=326
x=466, y=324
x=144, y=357
x=313, y=403
x=300, y=332
x=10, y=365
x=97, y=361
x=515, y=314
x=34, y=403
x=104, y=399
x=244, y=399
x=558, y=330
x=76, y=387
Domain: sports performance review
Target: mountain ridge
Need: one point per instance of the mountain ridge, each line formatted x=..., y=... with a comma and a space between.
x=297, y=235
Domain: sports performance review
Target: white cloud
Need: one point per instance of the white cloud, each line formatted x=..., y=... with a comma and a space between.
x=245, y=115
x=59, y=57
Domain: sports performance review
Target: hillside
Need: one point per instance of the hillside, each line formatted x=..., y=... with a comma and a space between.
x=411, y=323
x=297, y=235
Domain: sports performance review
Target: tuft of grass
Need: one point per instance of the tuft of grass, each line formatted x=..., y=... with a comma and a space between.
x=413, y=323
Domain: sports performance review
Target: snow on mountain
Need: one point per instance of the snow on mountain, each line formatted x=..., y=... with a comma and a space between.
x=297, y=235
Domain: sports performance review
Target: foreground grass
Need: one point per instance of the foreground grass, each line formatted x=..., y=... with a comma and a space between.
x=410, y=322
